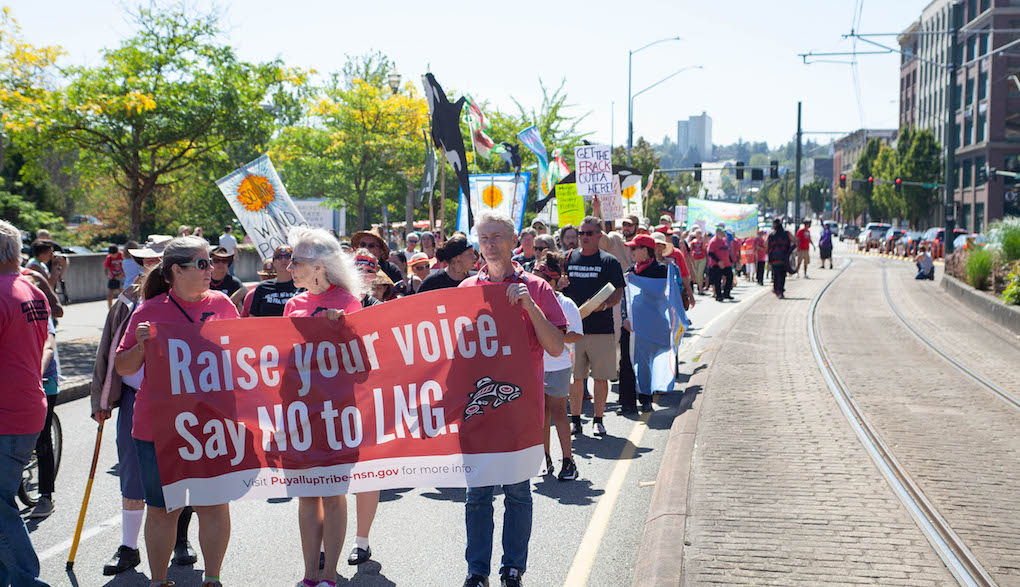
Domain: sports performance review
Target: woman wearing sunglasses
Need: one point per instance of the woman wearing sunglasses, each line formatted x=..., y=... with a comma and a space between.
x=176, y=290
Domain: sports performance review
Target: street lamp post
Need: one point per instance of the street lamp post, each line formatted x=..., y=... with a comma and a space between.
x=393, y=79
x=630, y=99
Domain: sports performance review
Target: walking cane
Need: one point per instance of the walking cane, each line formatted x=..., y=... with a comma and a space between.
x=85, y=500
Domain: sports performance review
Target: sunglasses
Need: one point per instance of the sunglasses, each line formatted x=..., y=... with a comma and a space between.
x=282, y=256
x=221, y=261
x=372, y=245
x=200, y=264
x=412, y=241
x=420, y=267
x=587, y=232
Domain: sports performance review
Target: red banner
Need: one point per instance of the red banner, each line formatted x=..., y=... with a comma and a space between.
x=442, y=389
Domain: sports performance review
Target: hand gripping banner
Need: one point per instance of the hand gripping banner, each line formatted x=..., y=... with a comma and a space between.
x=435, y=390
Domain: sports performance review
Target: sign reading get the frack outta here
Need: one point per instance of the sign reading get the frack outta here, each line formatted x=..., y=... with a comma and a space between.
x=593, y=166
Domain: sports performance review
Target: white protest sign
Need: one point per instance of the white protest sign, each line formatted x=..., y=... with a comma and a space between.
x=612, y=203
x=261, y=202
x=632, y=198
x=593, y=166
x=320, y=215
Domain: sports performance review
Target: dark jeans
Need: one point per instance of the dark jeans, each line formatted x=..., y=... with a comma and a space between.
x=516, y=527
x=727, y=274
x=44, y=451
x=19, y=564
x=760, y=267
x=715, y=280
x=778, y=277
x=628, y=385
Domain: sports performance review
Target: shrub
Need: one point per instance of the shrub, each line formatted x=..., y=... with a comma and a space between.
x=1011, y=295
x=979, y=266
x=1004, y=236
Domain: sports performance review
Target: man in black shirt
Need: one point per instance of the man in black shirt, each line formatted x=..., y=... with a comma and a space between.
x=589, y=270
x=271, y=296
x=460, y=259
x=222, y=280
x=526, y=252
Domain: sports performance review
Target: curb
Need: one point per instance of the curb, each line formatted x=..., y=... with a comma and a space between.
x=989, y=306
x=74, y=392
x=661, y=557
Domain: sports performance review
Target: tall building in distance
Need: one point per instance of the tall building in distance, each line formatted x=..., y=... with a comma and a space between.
x=695, y=133
x=985, y=129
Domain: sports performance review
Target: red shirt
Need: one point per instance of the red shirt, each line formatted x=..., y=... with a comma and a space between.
x=680, y=258
x=24, y=313
x=307, y=304
x=114, y=265
x=721, y=249
x=697, y=249
x=162, y=310
x=759, y=246
x=803, y=239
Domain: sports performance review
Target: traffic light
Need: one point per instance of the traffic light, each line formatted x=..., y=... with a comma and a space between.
x=757, y=174
x=773, y=169
x=899, y=185
x=740, y=170
x=842, y=180
x=697, y=172
x=871, y=181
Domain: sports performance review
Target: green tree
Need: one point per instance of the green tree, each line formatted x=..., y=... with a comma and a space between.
x=169, y=99
x=922, y=164
x=814, y=194
x=856, y=198
x=885, y=202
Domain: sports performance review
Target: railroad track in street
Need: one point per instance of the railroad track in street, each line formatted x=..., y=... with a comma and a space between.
x=960, y=561
x=959, y=365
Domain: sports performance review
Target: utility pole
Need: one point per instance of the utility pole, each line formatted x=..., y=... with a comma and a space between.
x=630, y=107
x=950, y=137
x=796, y=179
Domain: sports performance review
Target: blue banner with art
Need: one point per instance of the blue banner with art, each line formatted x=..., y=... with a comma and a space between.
x=504, y=193
x=742, y=219
x=658, y=322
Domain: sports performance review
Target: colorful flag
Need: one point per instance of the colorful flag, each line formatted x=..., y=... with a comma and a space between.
x=656, y=312
x=505, y=193
x=533, y=141
x=557, y=169
x=477, y=125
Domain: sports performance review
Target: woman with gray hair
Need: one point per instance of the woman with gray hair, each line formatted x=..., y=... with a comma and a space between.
x=334, y=288
x=175, y=291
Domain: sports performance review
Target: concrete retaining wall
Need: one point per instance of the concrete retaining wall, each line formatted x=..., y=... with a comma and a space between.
x=986, y=304
x=86, y=280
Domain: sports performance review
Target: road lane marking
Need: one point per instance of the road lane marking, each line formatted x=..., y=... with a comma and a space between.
x=56, y=549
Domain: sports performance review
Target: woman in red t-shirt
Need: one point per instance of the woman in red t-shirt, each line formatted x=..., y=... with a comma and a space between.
x=176, y=290
x=333, y=288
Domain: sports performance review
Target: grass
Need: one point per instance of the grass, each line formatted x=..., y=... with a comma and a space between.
x=1005, y=236
x=979, y=266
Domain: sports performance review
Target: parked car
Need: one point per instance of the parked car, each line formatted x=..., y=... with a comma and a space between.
x=908, y=243
x=873, y=233
x=889, y=240
x=849, y=232
x=935, y=237
x=969, y=241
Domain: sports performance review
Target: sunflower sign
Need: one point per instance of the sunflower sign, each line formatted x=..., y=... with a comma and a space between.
x=505, y=193
x=632, y=200
x=262, y=204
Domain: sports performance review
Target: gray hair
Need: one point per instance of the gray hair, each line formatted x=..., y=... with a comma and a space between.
x=530, y=231
x=10, y=243
x=319, y=246
x=488, y=217
x=547, y=239
x=177, y=252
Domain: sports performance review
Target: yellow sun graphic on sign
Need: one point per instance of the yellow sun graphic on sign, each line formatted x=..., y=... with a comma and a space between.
x=492, y=196
x=629, y=192
x=255, y=193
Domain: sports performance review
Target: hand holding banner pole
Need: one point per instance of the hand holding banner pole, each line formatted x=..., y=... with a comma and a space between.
x=85, y=500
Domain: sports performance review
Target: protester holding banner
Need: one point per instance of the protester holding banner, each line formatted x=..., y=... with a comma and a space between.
x=545, y=332
x=24, y=314
x=550, y=267
x=719, y=265
x=175, y=291
x=333, y=288
x=590, y=270
x=459, y=257
x=270, y=296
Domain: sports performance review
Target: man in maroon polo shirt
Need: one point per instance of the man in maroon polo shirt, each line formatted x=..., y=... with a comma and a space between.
x=546, y=326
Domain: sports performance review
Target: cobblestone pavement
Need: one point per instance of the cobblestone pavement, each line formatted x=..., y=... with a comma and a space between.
x=984, y=346
x=782, y=491
x=956, y=440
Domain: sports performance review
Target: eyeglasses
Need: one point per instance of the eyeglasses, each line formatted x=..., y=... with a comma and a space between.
x=200, y=264
x=587, y=232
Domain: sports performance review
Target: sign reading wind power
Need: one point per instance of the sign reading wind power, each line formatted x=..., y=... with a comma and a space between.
x=261, y=202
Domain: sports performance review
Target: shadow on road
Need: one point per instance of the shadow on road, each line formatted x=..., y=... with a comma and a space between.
x=577, y=492
x=369, y=573
x=455, y=494
x=391, y=494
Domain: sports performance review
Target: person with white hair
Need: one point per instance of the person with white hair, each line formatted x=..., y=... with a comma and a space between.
x=24, y=332
x=333, y=289
x=175, y=291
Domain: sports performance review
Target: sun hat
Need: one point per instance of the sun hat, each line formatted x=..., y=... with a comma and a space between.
x=152, y=248
x=363, y=234
x=418, y=259
x=660, y=239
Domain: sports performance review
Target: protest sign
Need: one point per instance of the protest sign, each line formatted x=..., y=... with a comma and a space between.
x=441, y=389
x=569, y=204
x=742, y=219
x=593, y=166
x=632, y=199
x=505, y=193
x=611, y=204
x=318, y=213
x=680, y=214
x=262, y=204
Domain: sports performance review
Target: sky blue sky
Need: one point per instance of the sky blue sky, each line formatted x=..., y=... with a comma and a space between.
x=751, y=81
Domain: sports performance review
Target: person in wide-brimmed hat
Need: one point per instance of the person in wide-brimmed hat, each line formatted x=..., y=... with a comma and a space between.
x=376, y=245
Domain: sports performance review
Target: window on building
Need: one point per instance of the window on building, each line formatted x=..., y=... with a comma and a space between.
x=983, y=44
x=956, y=175
x=982, y=122
x=969, y=93
x=982, y=83
x=965, y=217
x=971, y=47
x=971, y=9
x=1011, y=129
x=984, y=5
x=980, y=174
x=968, y=168
x=979, y=217
x=968, y=130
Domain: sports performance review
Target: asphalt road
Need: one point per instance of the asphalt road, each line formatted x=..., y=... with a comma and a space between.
x=584, y=532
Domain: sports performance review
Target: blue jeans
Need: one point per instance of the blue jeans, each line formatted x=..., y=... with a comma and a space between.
x=19, y=564
x=516, y=527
